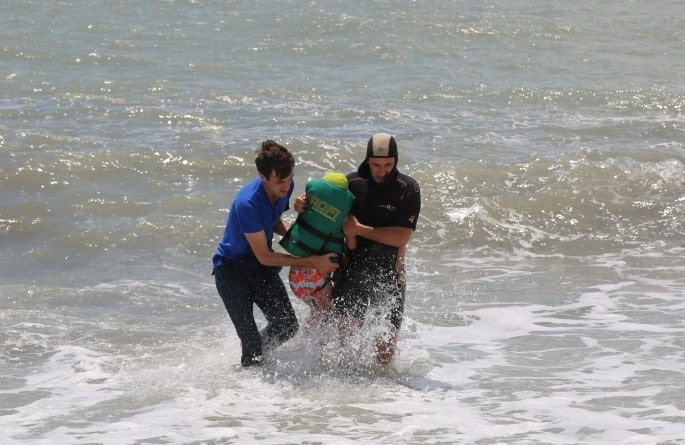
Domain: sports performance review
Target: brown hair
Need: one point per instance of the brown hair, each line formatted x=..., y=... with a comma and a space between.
x=273, y=157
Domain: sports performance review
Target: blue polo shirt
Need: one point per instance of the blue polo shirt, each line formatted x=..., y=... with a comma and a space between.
x=251, y=211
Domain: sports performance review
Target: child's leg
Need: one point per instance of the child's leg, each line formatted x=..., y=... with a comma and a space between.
x=321, y=306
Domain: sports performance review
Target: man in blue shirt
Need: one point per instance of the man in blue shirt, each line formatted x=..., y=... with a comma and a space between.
x=246, y=269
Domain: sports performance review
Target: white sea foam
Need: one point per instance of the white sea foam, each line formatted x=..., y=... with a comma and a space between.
x=504, y=383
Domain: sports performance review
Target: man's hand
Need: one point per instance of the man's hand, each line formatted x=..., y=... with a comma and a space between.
x=351, y=226
x=326, y=264
x=300, y=203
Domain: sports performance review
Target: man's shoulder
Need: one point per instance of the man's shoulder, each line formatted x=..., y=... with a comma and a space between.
x=354, y=176
x=408, y=182
x=356, y=184
x=406, y=178
x=251, y=194
x=250, y=187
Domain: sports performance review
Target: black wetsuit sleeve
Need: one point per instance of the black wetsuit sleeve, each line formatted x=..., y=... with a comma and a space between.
x=410, y=206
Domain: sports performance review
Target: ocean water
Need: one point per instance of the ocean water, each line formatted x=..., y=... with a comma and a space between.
x=546, y=298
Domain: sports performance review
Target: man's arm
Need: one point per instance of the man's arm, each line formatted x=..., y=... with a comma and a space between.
x=394, y=236
x=267, y=257
x=281, y=228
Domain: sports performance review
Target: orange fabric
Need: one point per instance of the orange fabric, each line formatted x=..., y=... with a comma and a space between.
x=307, y=283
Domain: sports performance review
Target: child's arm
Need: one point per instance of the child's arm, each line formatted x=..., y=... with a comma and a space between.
x=350, y=240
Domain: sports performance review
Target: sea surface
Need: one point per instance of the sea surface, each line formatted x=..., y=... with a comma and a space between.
x=546, y=279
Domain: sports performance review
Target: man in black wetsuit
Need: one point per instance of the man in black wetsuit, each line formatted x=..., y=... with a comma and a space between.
x=383, y=219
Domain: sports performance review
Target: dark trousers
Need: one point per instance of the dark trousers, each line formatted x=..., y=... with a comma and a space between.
x=241, y=289
x=370, y=280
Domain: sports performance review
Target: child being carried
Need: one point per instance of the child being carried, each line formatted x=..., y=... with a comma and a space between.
x=318, y=230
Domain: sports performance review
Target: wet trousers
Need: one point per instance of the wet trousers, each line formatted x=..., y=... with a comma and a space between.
x=241, y=289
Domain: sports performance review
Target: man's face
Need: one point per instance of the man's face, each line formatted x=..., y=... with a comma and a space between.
x=276, y=187
x=380, y=168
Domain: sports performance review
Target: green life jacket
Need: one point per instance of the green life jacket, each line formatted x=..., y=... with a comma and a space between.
x=318, y=229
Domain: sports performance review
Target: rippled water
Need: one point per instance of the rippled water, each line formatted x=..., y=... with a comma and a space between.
x=546, y=299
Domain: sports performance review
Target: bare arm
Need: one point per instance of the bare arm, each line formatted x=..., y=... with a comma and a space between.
x=394, y=236
x=267, y=257
x=281, y=228
x=350, y=240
